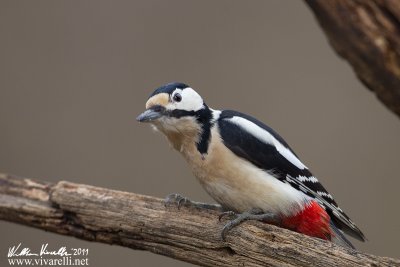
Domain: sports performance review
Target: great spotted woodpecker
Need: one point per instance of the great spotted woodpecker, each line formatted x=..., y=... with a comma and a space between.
x=246, y=166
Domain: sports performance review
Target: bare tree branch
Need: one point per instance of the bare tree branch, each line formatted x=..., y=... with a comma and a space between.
x=367, y=34
x=191, y=233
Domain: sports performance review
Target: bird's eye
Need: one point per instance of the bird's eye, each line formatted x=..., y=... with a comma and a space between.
x=177, y=97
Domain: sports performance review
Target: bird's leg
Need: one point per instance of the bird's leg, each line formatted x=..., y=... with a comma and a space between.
x=179, y=200
x=254, y=214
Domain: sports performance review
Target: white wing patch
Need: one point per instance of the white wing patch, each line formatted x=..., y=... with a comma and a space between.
x=267, y=138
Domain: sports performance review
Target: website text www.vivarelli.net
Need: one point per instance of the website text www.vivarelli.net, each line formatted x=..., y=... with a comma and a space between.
x=19, y=255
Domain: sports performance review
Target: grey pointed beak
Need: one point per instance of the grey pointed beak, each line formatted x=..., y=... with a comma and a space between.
x=150, y=114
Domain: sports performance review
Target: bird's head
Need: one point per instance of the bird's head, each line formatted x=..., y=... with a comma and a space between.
x=176, y=107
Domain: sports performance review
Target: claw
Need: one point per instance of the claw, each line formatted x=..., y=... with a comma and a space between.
x=182, y=200
x=228, y=213
x=227, y=227
x=176, y=199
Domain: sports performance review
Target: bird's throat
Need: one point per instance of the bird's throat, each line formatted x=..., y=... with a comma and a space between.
x=192, y=131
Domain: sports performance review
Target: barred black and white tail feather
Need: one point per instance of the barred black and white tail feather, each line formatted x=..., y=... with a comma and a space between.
x=339, y=239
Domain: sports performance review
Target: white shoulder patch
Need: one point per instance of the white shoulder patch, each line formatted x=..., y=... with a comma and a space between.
x=267, y=138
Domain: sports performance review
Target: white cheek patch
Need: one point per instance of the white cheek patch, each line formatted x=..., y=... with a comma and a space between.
x=191, y=100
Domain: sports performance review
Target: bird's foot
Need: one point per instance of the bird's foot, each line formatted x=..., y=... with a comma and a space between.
x=176, y=200
x=254, y=214
x=228, y=213
x=179, y=201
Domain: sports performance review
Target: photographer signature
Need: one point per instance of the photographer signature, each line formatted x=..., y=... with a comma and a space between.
x=17, y=251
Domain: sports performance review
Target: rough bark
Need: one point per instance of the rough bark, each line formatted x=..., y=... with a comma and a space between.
x=367, y=34
x=191, y=233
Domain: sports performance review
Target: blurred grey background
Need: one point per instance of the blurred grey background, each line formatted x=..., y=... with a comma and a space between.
x=74, y=75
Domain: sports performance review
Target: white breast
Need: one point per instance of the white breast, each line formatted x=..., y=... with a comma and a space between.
x=239, y=185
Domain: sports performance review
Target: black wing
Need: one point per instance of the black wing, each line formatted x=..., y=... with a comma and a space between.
x=266, y=156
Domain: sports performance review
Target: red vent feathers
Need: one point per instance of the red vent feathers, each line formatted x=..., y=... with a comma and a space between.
x=312, y=220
